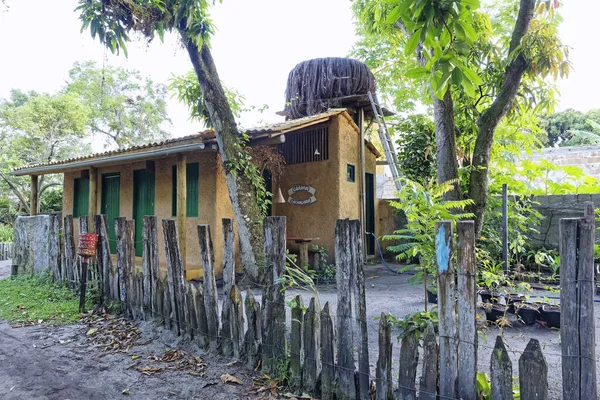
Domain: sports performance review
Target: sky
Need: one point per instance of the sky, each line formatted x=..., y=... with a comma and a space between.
x=256, y=44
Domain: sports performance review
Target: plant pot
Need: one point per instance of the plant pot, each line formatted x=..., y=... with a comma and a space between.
x=551, y=314
x=528, y=313
x=431, y=297
x=494, y=312
x=488, y=296
x=514, y=299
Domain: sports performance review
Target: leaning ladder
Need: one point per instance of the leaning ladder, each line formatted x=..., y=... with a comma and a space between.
x=386, y=140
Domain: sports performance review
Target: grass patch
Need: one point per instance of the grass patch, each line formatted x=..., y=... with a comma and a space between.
x=31, y=300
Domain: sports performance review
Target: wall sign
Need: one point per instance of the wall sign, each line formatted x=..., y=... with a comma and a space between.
x=302, y=188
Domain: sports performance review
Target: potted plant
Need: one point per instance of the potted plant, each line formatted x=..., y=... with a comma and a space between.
x=494, y=312
x=489, y=284
x=551, y=315
x=528, y=313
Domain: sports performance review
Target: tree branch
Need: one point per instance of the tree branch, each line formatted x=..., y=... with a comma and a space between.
x=17, y=192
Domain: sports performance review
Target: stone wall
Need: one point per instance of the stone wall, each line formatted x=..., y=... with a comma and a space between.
x=555, y=207
x=36, y=244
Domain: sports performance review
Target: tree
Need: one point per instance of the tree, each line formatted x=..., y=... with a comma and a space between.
x=416, y=148
x=478, y=65
x=124, y=107
x=111, y=21
x=560, y=125
x=38, y=129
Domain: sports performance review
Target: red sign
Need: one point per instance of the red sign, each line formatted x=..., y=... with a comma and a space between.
x=87, y=245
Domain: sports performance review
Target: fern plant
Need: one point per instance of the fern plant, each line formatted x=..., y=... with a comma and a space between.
x=423, y=207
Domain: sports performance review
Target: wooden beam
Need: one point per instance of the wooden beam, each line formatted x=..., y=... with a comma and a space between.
x=182, y=206
x=93, y=194
x=33, y=209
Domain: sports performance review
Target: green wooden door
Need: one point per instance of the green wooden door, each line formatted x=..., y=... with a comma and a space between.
x=143, y=203
x=370, y=212
x=110, y=205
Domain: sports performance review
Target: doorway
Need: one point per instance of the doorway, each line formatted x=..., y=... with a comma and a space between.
x=370, y=213
x=143, y=203
x=110, y=205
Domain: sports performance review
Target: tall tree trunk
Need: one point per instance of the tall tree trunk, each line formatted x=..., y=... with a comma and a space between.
x=447, y=163
x=489, y=120
x=243, y=197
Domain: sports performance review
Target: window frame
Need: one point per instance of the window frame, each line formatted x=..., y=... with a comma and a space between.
x=351, y=173
x=78, y=191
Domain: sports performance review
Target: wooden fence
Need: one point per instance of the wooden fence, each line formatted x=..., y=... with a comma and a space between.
x=326, y=354
x=5, y=251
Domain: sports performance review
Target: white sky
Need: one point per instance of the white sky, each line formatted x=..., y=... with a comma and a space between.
x=257, y=43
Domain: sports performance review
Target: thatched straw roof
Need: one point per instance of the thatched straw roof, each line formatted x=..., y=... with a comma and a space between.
x=314, y=86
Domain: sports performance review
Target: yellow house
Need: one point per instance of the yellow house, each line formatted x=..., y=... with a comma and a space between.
x=322, y=182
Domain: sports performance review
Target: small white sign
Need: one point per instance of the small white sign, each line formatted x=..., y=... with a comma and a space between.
x=302, y=188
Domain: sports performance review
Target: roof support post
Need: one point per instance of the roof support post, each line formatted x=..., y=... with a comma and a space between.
x=182, y=206
x=93, y=194
x=33, y=204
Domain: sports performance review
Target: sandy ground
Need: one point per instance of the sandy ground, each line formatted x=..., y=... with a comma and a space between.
x=33, y=365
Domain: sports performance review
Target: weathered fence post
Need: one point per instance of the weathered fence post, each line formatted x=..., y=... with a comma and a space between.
x=236, y=322
x=296, y=344
x=211, y=298
x=54, y=250
x=429, y=374
x=103, y=256
x=467, y=299
x=201, y=336
x=310, y=369
x=577, y=306
x=252, y=344
x=533, y=373
x=273, y=323
x=501, y=372
x=447, y=316
x=346, y=387
x=174, y=274
x=69, y=269
x=150, y=262
x=383, y=374
x=327, y=356
x=360, y=307
x=228, y=283
x=122, y=257
x=409, y=360
x=129, y=266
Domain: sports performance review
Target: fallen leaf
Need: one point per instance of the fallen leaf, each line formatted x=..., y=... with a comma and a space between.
x=133, y=358
x=92, y=331
x=233, y=363
x=230, y=378
x=125, y=391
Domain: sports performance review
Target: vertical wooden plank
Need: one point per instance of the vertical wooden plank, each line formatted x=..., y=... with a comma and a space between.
x=192, y=316
x=310, y=369
x=228, y=282
x=166, y=305
x=174, y=274
x=327, y=356
x=182, y=207
x=202, y=335
x=84, y=224
x=296, y=344
x=104, y=259
x=533, y=373
x=429, y=376
x=93, y=192
x=54, y=247
x=569, y=316
x=360, y=306
x=383, y=373
x=273, y=318
x=467, y=299
x=446, y=313
x=211, y=299
x=409, y=360
x=129, y=266
x=157, y=309
x=237, y=322
x=586, y=284
x=252, y=344
x=346, y=388
x=122, y=256
x=501, y=372
x=33, y=198
x=149, y=261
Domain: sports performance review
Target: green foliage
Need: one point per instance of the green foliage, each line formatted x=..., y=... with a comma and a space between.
x=51, y=200
x=484, y=386
x=30, y=300
x=6, y=233
x=423, y=207
x=187, y=90
x=415, y=322
x=124, y=107
x=585, y=137
x=327, y=272
x=415, y=139
x=559, y=125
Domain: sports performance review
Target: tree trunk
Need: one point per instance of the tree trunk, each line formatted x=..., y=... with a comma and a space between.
x=447, y=163
x=489, y=120
x=242, y=194
x=17, y=192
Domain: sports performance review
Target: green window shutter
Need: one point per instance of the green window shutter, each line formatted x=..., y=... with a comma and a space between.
x=192, y=177
x=174, y=191
x=192, y=174
x=81, y=193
